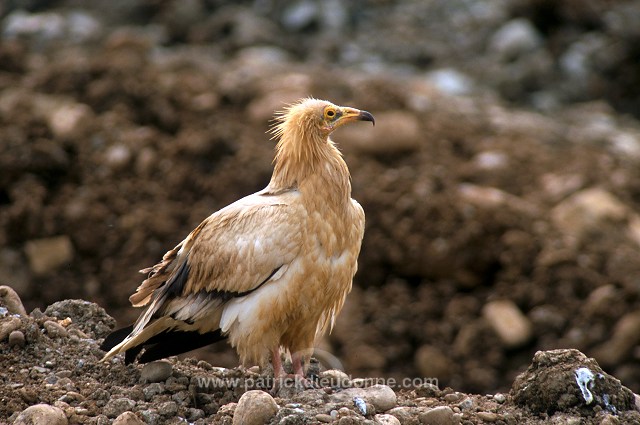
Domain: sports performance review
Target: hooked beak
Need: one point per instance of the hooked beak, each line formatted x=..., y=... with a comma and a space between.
x=366, y=116
x=353, y=114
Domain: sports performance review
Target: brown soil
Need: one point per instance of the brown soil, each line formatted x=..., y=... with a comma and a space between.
x=113, y=150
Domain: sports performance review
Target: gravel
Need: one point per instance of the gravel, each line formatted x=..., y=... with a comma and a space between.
x=45, y=379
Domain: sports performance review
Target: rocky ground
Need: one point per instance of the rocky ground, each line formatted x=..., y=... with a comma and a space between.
x=500, y=183
x=52, y=375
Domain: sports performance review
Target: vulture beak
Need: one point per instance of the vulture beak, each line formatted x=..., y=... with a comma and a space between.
x=352, y=114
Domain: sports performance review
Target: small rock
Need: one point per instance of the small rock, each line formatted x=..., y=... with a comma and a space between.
x=505, y=318
x=227, y=409
x=323, y=417
x=204, y=365
x=102, y=420
x=16, y=339
x=404, y=414
x=626, y=335
x=81, y=411
x=345, y=412
x=77, y=333
x=610, y=420
x=152, y=389
x=361, y=405
x=128, y=418
x=515, y=38
x=441, y=415
x=70, y=120
x=156, y=371
x=117, y=406
x=428, y=390
x=385, y=419
x=491, y=160
x=601, y=299
x=334, y=378
x=10, y=299
x=55, y=329
x=576, y=60
x=394, y=132
x=194, y=414
x=433, y=363
x=118, y=156
x=558, y=186
x=500, y=398
x=150, y=416
x=300, y=14
x=41, y=414
x=254, y=408
x=492, y=198
x=45, y=255
x=71, y=396
x=381, y=397
x=487, y=416
x=8, y=325
x=39, y=26
x=587, y=210
x=453, y=397
x=450, y=81
x=38, y=369
x=100, y=394
x=626, y=144
x=82, y=26
x=466, y=404
x=168, y=408
x=182, y=397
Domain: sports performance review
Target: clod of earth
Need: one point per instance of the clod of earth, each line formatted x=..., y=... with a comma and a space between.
x=568, y=381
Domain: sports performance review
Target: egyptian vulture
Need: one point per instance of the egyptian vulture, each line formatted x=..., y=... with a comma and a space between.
x=271, y=271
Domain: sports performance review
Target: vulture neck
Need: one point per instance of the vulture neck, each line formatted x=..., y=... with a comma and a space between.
x=313, y=165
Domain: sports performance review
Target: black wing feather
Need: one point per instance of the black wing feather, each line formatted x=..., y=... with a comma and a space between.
x=115, y=338
x=172, y=343
x=165, y=344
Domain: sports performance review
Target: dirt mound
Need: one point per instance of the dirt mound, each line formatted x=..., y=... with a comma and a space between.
x=53, y=373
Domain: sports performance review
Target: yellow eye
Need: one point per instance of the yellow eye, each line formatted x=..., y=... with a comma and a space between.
x=330, y=113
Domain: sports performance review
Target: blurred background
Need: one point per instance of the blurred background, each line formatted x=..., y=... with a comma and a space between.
x=501, y=182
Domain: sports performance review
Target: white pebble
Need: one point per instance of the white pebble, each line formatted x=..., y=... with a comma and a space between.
x=512, y=327
x=254, y=408
x=441, y=415
x=384, y=419
x=41, y=414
